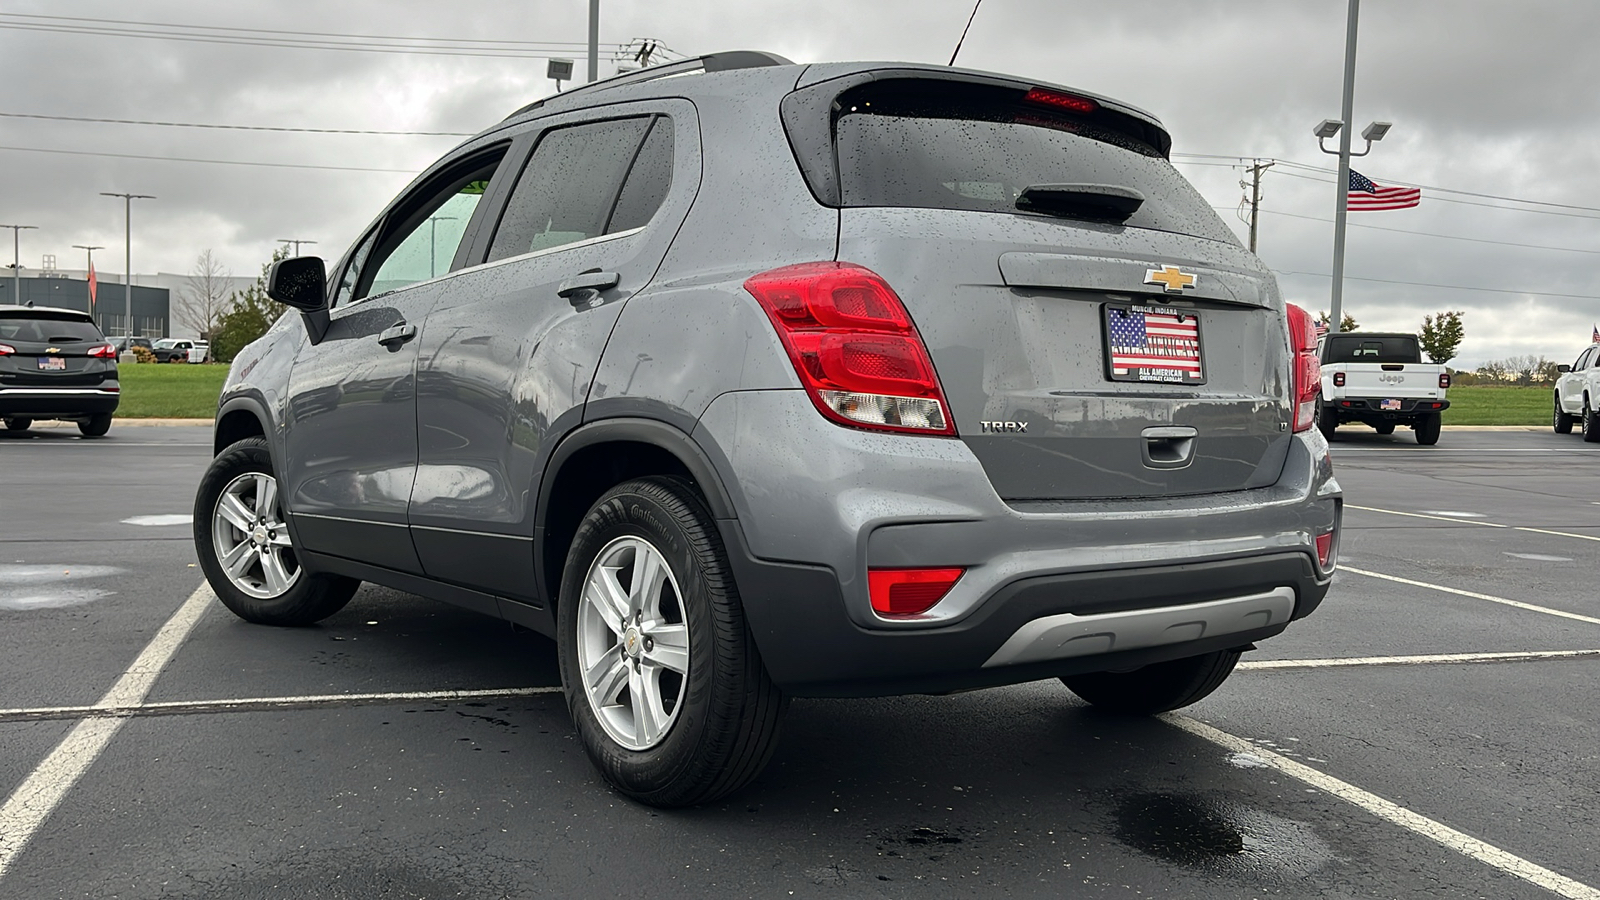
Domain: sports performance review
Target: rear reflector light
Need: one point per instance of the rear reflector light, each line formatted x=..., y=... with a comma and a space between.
x=1305, y=367
x=7, y=349
x=1060, y=100
x=1338, y=379
x=1444, y=379
x=909, y=592
x=104, y=351
x=1325, y=551
x=854, y=347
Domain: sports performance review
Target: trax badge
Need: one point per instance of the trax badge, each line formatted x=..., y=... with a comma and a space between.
x=999, y=427
x=1172, y=278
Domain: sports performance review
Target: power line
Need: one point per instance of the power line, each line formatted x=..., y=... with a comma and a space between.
x=377, y=37
x=1541, y=212
x=1448, y=237
x=11, y=115
x=221, y=162
x=1452, y=287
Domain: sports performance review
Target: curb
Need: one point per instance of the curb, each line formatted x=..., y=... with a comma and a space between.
x=120, y=422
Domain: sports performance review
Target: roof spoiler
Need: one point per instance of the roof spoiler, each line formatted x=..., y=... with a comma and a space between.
x=711, y=62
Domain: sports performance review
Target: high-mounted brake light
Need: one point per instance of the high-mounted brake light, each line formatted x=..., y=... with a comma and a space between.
x=854, y=346
x=1306, y=368
x=104, y=351
x=1070, y=102
x=7, y=349
x=1444, y=379
x=909, y=592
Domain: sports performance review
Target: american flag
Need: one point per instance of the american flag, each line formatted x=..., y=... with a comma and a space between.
x=1596, y=338
x=1154, y=344
x=1366, y=194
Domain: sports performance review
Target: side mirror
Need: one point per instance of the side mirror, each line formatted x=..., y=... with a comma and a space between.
x=1563, y=368
x=302, y=282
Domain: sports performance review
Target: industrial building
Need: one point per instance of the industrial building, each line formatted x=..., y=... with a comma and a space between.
x=152, y=306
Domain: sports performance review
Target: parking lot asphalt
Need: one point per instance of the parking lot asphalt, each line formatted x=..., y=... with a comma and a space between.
x=347, y=773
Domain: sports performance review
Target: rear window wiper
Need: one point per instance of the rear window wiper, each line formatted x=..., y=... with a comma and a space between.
x=1101, y=202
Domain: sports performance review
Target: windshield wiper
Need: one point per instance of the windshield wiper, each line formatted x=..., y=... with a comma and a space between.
x=1101, y=202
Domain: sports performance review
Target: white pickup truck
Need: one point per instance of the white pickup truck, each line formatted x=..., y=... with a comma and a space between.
x=1578, y=393
x=1379, y=379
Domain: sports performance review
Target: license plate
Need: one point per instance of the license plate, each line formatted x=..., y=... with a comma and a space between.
x=1158, y=344
x=52, y=363
x=1389, y=404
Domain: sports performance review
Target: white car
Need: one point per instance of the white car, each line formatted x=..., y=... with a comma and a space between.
x=1577, y=392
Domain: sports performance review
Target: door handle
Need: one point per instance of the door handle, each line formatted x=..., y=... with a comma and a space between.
x=397, y=334
x=583, y=289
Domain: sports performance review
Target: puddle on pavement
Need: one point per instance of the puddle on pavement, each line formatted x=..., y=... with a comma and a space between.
x=30, y=587
x=1218, y=836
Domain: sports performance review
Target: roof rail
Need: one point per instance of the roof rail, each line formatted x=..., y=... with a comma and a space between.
x=712, y=62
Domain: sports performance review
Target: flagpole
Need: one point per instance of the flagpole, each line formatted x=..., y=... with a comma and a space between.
x=1341, y=188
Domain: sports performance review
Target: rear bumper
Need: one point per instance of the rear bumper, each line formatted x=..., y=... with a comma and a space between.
x=1370, y=409
x=57, y=403
x=818, y=505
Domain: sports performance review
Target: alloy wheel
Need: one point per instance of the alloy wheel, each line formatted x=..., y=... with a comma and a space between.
x=633, y=642
x=251, y=540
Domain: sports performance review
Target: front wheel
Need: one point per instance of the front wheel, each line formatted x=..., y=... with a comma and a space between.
x=1560, y=420
x=666, y=688
x=245, y=549
x=1155, y=688
x=1427, y=429
x=1591, y=422
x=1384, y=428
x=96, y=425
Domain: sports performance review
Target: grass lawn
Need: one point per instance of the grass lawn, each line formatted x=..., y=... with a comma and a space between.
x=1494, y=405
x=156, y=391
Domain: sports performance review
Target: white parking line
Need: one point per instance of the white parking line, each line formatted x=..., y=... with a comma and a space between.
x=1422, y=660
x=1414, y=822
x=32, y=802
x=259, y=704
x=1518, y=604
x=1461, y=521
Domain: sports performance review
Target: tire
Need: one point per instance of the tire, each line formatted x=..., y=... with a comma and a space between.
x=1155, y=688
x=1327, y=421
x=96, y=425
x=1591, y=423
x=279, y=592
x=18, y=423
x=1384, y=428
x=726, y=712
x=1427, y=428
x=1561, y=421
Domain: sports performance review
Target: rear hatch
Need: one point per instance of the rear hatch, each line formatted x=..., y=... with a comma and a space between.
x=51, y=349
x=1069, y=374
x=1387, y=366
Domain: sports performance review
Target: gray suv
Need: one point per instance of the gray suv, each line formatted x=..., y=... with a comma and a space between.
x=746, y=380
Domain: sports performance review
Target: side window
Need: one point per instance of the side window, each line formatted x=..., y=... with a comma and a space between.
x=352, y=272
x=420, y=238
x=569, y=187
x=648, y=180
x=1584, y=359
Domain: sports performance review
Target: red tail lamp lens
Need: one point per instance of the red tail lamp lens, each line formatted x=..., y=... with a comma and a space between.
x=1059, y=100
x=1325, y=550
x=1338, y=379
x=1307, y=369
x=1444, y=379
x=104, y=351
x=909, y=592
x=7, y=349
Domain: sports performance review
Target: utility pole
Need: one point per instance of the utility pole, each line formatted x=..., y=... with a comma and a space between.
x=127, y=260
x=594, y=41
x=1255, y=196
x=433, y=225
x=88, y=266
x=16, y=260
x=296, y=242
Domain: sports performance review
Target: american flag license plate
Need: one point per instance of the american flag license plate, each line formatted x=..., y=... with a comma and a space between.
x=1158, y=344
x=1388, y=404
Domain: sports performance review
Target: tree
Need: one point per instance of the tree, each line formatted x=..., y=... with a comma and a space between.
x=250, y=313
x=1346, y=322
x=204, y=296
x=1441, y=335
x=1524, y=368
x=1493, y=370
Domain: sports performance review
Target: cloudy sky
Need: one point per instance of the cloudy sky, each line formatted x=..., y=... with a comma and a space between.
x=1482, y=97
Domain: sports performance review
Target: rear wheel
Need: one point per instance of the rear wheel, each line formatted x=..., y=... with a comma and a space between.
x=18, y=423
x=1384, y=428
x=1591, y=422
x=1427, y=429
x=245, y=549
x=1155, y=688
x=1561, y=421
x=666, y=688
x=1327, y=421
x=96, y=425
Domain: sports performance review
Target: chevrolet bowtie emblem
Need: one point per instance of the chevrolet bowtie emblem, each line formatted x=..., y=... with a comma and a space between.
x=53, y=350
x=1172, y=278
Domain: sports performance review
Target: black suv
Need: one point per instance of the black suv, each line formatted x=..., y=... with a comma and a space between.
x=55, y=364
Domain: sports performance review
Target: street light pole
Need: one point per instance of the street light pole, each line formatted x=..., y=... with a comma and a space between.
x=127, y=260
x=433, y=227
x=594, y=41
x=16, y=260
x=88, y=266
x=1342, y=187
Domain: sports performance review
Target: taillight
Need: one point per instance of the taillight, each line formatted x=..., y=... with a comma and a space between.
x=104, y=351
x=909, y=592
x=1071, y=102
x=1307, y=369
x=1338, y=379
x=854, y=346
x=1444, y=379
x=7, y=349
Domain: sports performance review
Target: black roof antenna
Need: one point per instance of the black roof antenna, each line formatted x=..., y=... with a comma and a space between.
x=964, y=31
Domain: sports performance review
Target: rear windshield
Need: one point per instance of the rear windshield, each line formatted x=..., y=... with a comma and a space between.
x=44, y=329
x=1358, y=348
x=902, y=144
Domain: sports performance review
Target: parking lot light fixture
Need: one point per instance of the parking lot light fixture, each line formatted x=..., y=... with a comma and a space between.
x=1327, y=129
x=16, y=261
